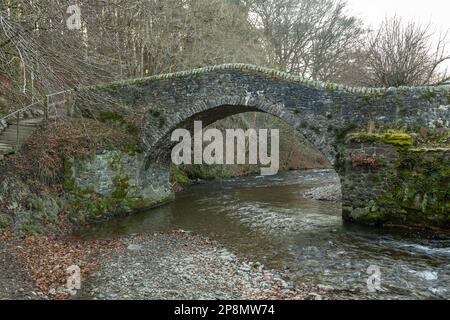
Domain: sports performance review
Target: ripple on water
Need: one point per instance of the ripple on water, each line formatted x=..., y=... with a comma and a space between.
x=268, y=220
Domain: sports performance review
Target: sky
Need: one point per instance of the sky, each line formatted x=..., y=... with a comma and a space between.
x=434, y=12
x=373, y=11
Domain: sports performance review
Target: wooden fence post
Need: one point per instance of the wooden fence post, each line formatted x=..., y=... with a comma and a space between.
x=18, y=130
x=46, y=102
x=69, y=104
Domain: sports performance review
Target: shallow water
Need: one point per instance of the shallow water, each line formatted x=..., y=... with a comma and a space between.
x=267, y=219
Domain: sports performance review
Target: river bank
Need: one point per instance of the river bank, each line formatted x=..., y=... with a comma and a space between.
x=249, y=237
x=174, y=265
x=14, y=282
x=36, y=268
x=183, y=265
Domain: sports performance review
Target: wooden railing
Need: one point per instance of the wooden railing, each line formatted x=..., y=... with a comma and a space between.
x=15, y=116
x=52, y=102
x=20, y=111
x=58, y=105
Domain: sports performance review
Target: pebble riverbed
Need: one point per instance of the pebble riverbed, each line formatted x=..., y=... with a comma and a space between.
x=182, y=265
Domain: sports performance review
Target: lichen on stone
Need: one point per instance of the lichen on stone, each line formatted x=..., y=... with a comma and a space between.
x=368, y=92
x=397, y=138
x=393, y=137
x=362, y=137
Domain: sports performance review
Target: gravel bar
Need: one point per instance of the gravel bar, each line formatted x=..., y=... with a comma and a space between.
x=182, y=265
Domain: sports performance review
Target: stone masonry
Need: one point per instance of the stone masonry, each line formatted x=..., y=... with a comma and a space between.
x=323, y=112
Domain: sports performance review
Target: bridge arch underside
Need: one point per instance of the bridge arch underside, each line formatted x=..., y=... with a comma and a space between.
x=159, y=149
x=365, y=170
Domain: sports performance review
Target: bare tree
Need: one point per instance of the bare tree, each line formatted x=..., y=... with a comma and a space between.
x=401, y=54
x=308, y=37
x=118, y=39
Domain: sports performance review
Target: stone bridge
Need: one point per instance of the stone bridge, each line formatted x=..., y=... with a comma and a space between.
x=339, y=120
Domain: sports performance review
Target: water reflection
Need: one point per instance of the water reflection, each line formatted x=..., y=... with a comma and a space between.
x=267, y=219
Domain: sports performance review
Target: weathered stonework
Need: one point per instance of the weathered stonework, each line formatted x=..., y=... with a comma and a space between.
x=315, y=109
x=386, y=184
x=114, y=183
x=322, y=112
x=26, y=211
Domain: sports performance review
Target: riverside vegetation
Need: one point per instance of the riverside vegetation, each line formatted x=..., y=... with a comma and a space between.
x=39, y=193
x=84, y=172
x=417, y=184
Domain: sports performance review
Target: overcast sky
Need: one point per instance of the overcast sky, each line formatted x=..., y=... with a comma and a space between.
x=373, y=11
x=436, y=12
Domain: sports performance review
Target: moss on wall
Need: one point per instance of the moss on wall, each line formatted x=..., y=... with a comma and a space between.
x=105, y=186
x=409, y=187
x=397, y=138
x=429, y=95
x=420, y=192
x=6, y=222
x=393, y=137
x=87, y=206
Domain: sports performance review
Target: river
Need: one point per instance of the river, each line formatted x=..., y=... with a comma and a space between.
x=267, y=219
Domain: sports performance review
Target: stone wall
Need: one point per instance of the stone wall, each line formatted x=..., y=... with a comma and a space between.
x=317, y=110
x=113, y=183
x=27, y=211
x=386, y=185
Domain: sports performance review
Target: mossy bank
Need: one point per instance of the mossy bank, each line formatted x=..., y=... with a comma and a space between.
x=113, y=183
x=392, y=179
x=66, y=176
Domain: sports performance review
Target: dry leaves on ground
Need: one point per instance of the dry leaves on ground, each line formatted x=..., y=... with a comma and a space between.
x=47, y=260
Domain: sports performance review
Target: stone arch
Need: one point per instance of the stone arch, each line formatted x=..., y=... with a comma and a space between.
x=324, y=113
x=212, y=110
